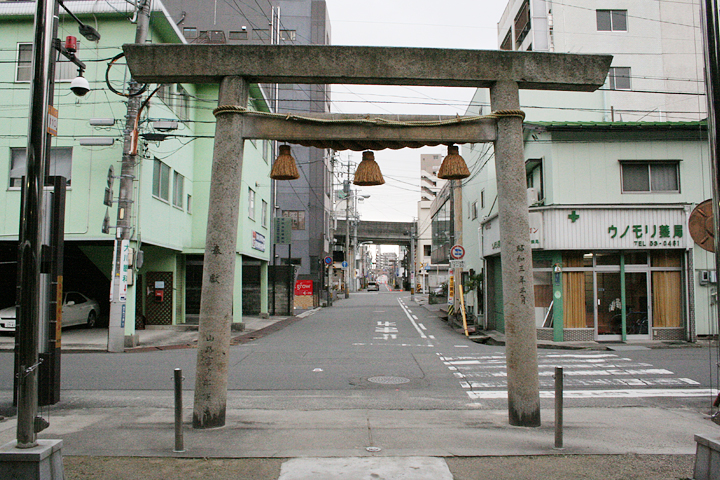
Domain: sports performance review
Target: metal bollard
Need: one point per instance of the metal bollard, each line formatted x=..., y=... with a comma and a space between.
x=179, y=445
x=559, y=407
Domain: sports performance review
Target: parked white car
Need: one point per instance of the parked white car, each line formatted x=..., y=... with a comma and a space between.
x=77, y=310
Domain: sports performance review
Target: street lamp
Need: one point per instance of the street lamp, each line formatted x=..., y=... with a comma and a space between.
x=30, y=251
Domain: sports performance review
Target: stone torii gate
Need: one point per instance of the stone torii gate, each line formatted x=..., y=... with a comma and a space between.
x=234, y=67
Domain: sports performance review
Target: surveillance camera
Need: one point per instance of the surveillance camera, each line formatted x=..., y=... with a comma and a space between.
x=80, y=86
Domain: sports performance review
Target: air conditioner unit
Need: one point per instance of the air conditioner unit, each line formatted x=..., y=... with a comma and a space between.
x=533, y=196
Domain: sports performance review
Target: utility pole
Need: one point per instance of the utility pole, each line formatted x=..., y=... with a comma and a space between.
x=711, y=43
x=31, y=221
x=116, y=329
x=412, y=261
x=346, y=190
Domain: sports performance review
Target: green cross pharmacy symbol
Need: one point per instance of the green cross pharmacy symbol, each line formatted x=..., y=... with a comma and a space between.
x=573, y=216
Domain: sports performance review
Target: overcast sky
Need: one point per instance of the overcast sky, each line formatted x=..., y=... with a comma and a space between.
x=406, y=23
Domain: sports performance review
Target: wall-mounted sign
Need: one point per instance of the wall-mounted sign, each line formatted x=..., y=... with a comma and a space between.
x=611, y=228
x=304, y=287
x=258, y=241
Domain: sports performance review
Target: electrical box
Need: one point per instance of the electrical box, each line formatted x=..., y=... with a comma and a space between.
x=708, y=276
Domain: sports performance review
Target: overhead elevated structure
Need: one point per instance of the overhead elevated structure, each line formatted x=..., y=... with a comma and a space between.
x=234, y=67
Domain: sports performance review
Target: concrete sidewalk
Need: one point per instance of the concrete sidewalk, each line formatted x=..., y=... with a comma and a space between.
x=130, y=434
x=79, y=339
x=137, y=427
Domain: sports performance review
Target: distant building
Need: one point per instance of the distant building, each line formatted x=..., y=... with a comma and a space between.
x=428, y=273
x=307, y=200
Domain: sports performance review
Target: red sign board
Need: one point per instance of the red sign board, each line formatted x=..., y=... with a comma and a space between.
x=304, y=287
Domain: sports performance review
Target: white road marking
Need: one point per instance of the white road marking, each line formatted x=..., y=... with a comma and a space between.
x=624, y=393
x=462, y=346
x=485, y=376
x=308, y=313
x=422, y=335
x=422, y=326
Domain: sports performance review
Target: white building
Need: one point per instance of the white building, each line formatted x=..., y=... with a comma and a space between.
x=612, y=176
x=657, y=69
x=428, y=273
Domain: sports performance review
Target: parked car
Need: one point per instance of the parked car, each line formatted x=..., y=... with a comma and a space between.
x=77, y=310
x=373, y=286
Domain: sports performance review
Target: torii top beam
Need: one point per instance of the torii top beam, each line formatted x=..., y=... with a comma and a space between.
x=330, y=64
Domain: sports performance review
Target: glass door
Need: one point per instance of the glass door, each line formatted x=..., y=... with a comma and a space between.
x=608, y=306
x=637, y=322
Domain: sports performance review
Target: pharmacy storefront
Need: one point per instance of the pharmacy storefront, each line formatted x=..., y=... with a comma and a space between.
x=615, y=273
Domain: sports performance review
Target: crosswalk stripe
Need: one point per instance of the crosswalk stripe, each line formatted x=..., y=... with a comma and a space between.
x=602, y=375
x=621, y=393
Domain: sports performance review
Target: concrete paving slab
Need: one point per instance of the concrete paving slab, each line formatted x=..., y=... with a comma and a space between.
x=252, y=433
x=406, y=468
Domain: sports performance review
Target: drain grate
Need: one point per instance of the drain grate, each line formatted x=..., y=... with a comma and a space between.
x=384, y=380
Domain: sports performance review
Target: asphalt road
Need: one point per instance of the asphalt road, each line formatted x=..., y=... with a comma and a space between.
x=379, y=356
x=378, y=350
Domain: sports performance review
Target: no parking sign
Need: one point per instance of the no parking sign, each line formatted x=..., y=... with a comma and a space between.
x=457, y=252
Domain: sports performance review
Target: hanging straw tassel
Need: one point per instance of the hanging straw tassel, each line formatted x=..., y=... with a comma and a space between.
x=284, y=167
x=368, y=172
x=453, y=166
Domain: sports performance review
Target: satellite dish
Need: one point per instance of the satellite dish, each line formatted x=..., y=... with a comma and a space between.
x=701, y=226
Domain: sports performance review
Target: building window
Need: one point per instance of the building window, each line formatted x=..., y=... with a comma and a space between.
x=179, y=191
x=507, y=42
x=261, y=34
x=161, y=181
x=189, y=203
x=182, y=102
x=298, y=218
x=427, y=250
x=190, y=32
x=65, y=70
x=287, y=35
x=251, y=204
x=650, y=176
x=264, y=214
x=612, y=20
x=619, y=78
x=473, y=210
x=163, y=94
x=238, y=35
x=522, y=23
x=60, y=164
x=482, y=199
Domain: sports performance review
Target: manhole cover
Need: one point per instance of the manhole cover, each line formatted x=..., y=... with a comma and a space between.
x=373, y=449
x=389, y=380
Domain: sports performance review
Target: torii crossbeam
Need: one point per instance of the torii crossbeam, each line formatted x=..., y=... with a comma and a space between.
x=234, y=67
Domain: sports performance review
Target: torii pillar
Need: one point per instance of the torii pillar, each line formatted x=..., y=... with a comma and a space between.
x=234, y=66
x=516, y=258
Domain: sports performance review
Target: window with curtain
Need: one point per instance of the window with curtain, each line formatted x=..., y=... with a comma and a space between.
x=179, y=191
x=161, y=180
x=60, y=164
x=65, y=70
x=574, y=304
x=650, y=176
x=667, y=289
